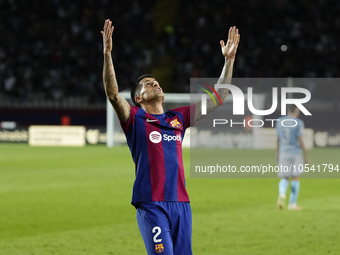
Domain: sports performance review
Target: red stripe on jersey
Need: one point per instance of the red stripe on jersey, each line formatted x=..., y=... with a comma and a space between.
x=156, y=161
x=182, y=195
x=126, y=126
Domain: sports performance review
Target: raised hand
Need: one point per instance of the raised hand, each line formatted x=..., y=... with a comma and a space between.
x=229, y=50
x=107, y=36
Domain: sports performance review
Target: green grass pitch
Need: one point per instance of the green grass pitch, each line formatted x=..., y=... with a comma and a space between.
x=76, y=201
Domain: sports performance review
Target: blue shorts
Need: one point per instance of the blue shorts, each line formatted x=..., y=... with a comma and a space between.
x=165, y=227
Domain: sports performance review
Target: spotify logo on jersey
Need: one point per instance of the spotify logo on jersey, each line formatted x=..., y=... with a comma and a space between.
x=155, y=137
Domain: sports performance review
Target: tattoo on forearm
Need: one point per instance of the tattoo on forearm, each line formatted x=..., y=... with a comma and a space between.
x=120, y=105
x=109, y=77
x=198, y=110
x=225, y=78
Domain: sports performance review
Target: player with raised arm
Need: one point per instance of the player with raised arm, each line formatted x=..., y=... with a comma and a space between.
x=290, y=147
x=155, y=141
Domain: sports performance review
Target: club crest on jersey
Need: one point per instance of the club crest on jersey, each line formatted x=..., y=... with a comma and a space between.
x=159, y=248
x=175, y=123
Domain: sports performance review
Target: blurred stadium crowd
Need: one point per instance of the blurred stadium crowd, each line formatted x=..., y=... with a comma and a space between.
x=54, y=48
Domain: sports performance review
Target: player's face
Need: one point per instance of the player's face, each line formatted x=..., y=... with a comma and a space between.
x=150, y=90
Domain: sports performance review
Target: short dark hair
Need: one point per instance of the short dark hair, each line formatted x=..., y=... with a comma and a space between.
x=136, y=87
x=291, y=107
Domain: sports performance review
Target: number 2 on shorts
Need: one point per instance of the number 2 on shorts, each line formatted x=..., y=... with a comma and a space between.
x=158, y=231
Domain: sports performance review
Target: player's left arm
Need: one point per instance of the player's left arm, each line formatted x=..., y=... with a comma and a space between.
x=229, y=52
x=277, y=148
x=302, y=145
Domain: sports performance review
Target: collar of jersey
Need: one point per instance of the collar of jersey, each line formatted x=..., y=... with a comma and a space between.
x=158, y=116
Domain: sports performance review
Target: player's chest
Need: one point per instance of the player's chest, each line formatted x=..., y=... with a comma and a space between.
x=168, y=129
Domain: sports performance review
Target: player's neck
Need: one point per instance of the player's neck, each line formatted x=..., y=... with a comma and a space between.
x=153, y=108
x=290, y=114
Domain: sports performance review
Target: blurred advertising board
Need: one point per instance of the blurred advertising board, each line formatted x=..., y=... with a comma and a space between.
x=56, y=135
x=312, y=138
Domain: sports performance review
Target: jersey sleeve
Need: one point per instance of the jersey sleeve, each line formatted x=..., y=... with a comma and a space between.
x=127, y=126
x=188, y=113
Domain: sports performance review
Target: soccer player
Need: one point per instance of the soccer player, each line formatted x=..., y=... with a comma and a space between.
x=155, y=141
x=289, y=155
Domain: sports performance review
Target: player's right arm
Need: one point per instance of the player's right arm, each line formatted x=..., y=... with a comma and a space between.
x=119, y=103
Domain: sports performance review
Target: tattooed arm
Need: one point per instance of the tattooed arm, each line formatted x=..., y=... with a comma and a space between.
x=120, y=105
x=229, y=52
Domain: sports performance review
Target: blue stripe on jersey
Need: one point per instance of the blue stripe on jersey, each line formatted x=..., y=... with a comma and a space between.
x=182, y=120
x=170, y=152
x=142, y=187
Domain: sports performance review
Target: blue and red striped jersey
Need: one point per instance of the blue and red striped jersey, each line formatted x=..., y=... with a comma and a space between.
x=155, y=142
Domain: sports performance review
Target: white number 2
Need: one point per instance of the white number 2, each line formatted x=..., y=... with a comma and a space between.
x=158, y=231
